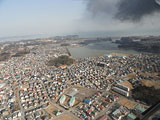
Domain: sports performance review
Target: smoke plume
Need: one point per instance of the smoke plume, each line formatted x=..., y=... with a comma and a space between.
x=124, y=10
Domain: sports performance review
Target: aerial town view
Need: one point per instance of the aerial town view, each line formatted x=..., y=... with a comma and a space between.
x=59, y=63
x=41, y=80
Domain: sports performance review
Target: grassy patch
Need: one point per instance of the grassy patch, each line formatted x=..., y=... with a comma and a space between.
x=61, y=60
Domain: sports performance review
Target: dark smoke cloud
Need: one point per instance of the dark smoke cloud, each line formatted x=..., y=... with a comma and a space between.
x=124, y=10
x=136, y=9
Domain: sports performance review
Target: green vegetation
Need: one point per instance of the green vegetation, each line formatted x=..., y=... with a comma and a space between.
x=4, y=56
x=21, y=53
x=61, y=60
x=149, y=95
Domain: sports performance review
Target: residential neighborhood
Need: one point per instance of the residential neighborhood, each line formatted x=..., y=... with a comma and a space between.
x=92, y=88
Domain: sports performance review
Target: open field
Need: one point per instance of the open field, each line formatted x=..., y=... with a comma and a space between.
x=126, y=83
x=127, y=103
x=66, y=117
x=149, y=74
x=82, y=92
x=24, y=86
x=131, y=75
x=150, y=83
x=50, y=109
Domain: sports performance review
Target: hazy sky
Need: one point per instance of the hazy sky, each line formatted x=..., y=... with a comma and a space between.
x=58, y=17
x=25, y=17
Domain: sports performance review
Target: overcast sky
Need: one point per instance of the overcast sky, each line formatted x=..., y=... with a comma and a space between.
x=61, y=17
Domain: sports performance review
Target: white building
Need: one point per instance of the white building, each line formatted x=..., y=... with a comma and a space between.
x=71, y=101
x=123, y=87
x=120, y=91
x=62, y=99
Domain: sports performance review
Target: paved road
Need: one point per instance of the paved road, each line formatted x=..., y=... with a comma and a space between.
x=19, y=100
x=21, y=108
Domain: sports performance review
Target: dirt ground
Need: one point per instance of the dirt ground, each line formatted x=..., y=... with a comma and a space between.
x=131, y=75
x=82, y=92
x=126, y=83
x=150, y=74
x=150, y=83
x=26, y=85
x=50, y=109
x=66, y=117
x=127, y=103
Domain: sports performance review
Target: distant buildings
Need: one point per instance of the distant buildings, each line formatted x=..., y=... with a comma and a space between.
x=68, y=37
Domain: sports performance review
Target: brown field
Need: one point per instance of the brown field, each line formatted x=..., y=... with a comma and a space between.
x=16, y=104
x=66, y=117
x=50, y=108
x=150, y=83
x=119, y=54
x=127, y=103
x=131, y=75
x=26, y=85
x=82, y=92
x=127, y=84
x=150, y=74
x=76, y=102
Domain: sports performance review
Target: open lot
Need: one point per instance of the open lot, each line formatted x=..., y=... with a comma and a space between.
x=127, y=103
x=82, y=92
x=50, y=108
x=66, y=117
x=128, y=84
x=150, y=83
x=131, y=75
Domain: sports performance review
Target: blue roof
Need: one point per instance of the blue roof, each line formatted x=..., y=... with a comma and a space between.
x=83, y=115
x=87, y=101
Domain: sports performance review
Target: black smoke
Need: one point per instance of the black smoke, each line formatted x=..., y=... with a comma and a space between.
x=124, y=10
x=135, y=10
